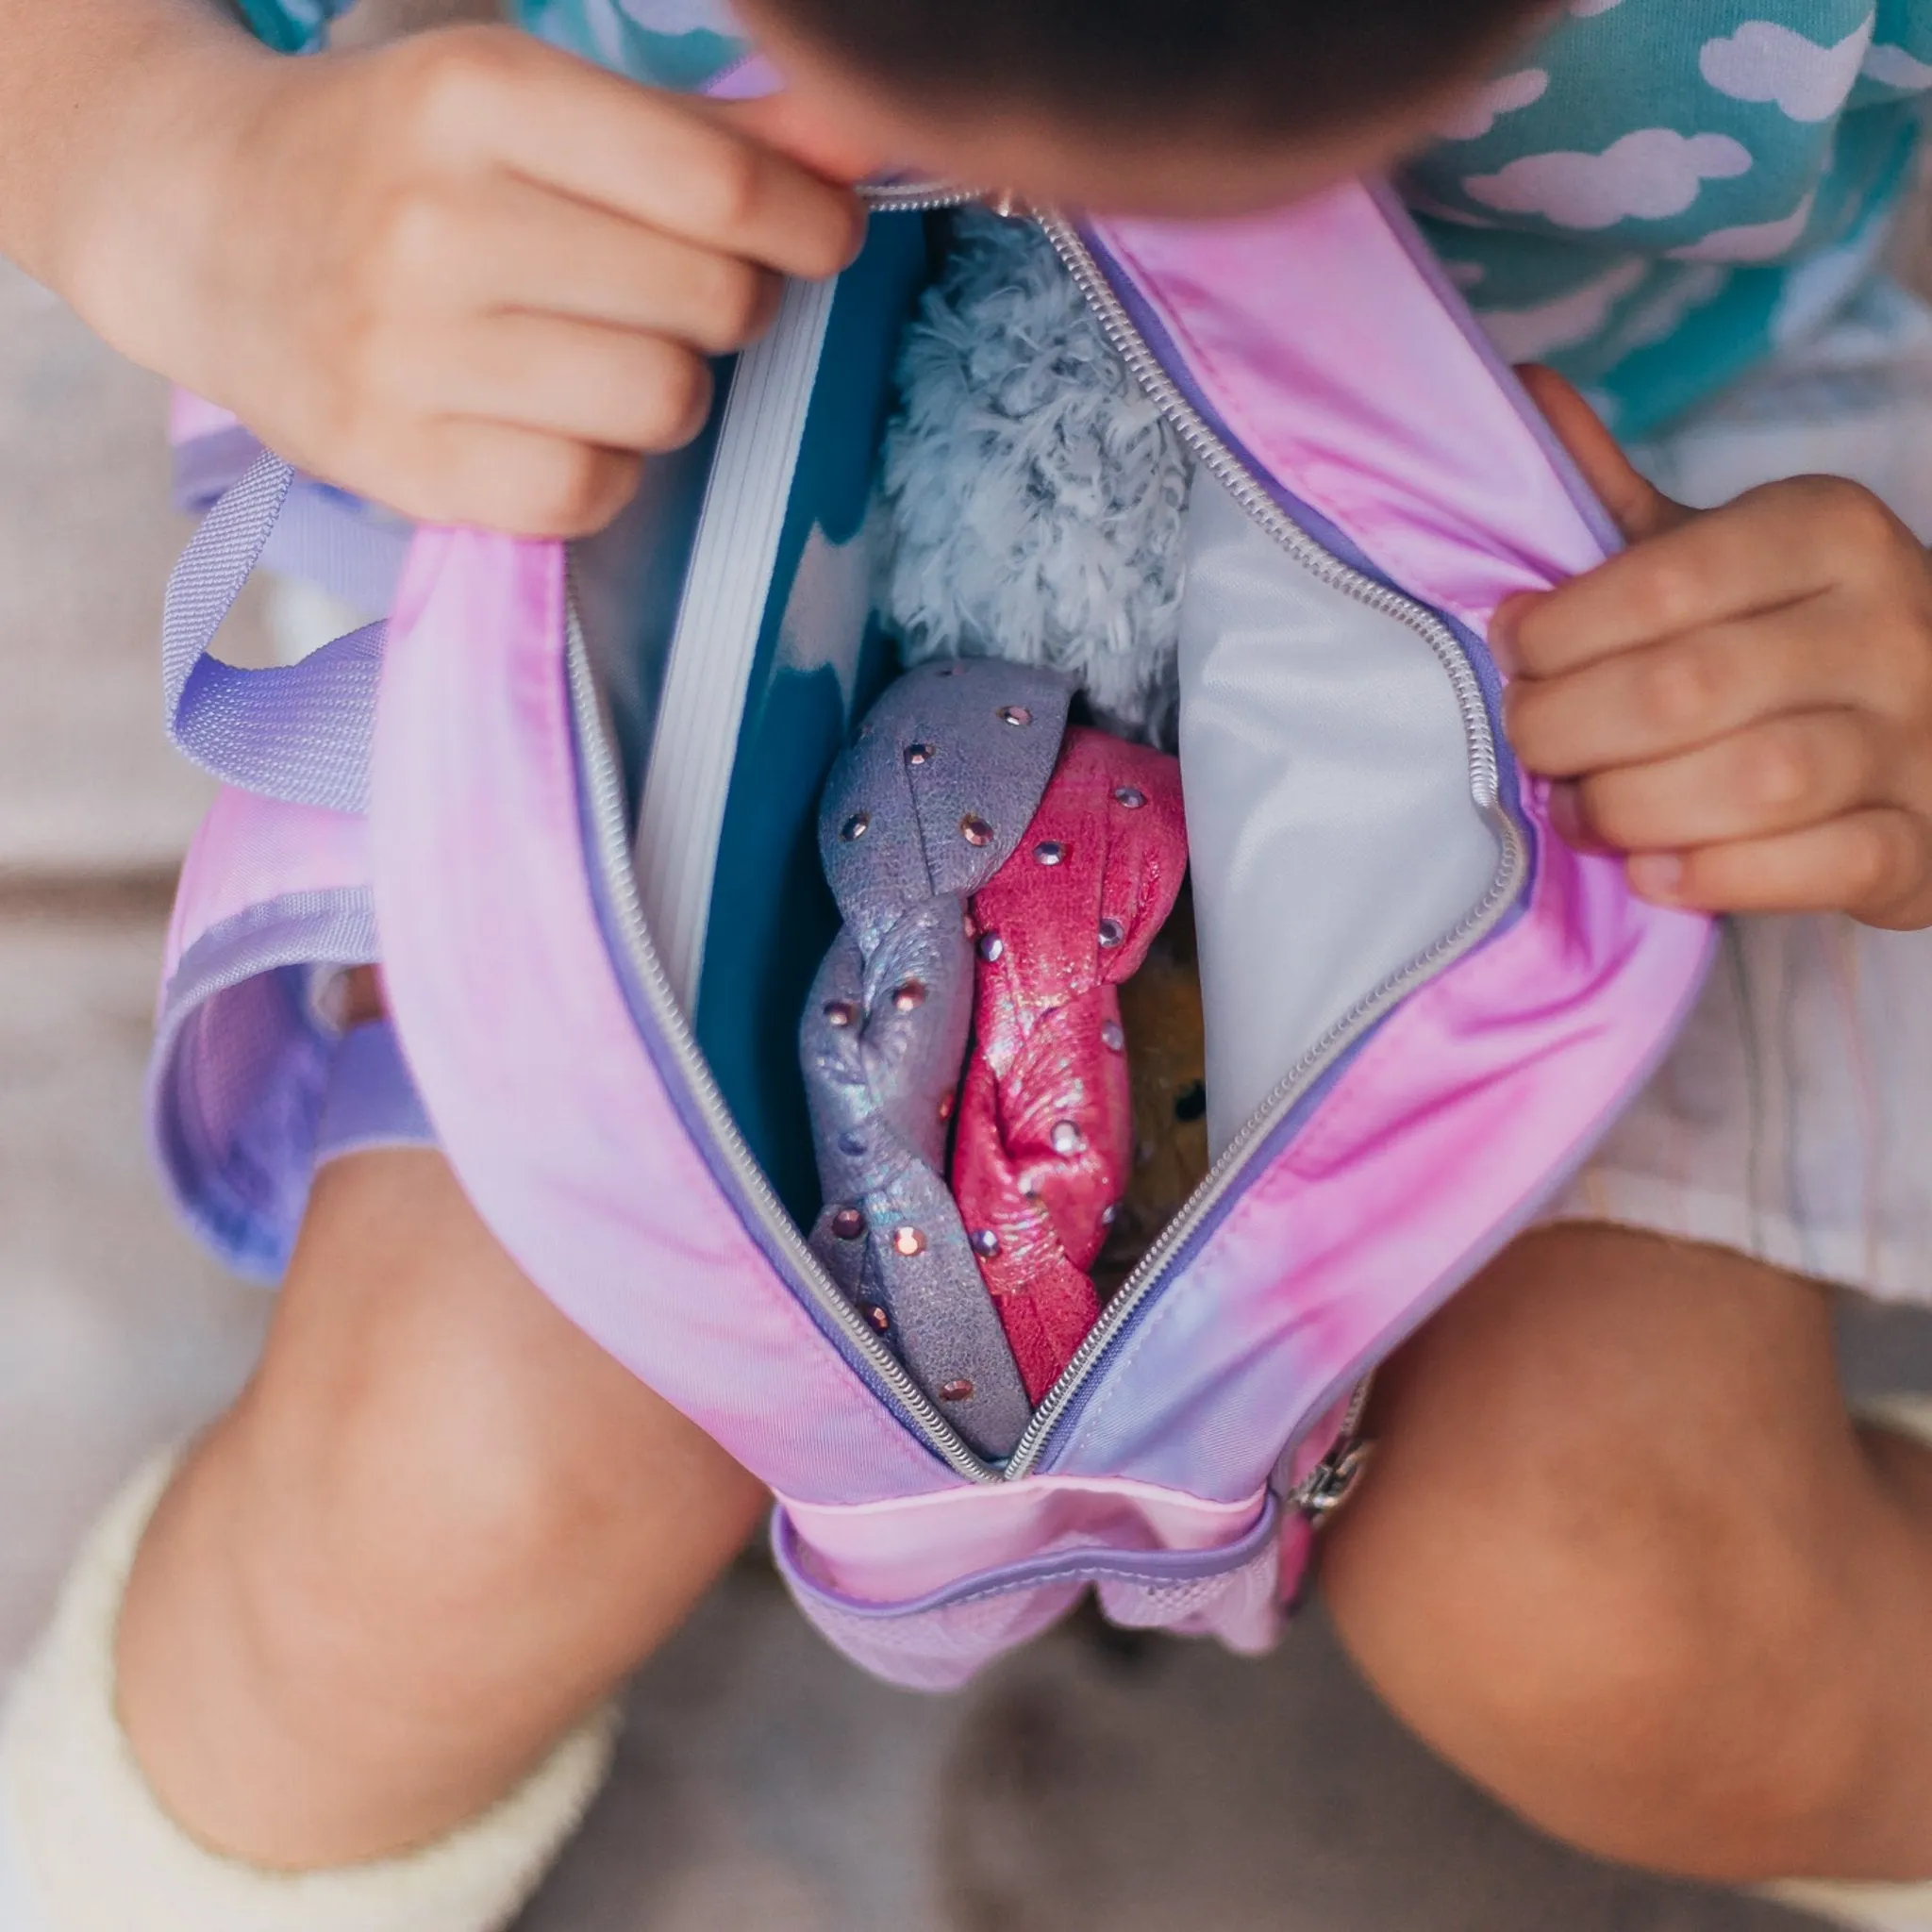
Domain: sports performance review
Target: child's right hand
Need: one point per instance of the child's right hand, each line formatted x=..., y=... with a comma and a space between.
x=466, y=274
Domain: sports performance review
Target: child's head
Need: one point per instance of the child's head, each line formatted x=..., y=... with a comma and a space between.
x=1179, y=104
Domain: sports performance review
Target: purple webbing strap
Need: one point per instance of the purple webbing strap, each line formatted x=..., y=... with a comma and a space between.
x=295, y=732
x=371, y=1100
x=345, y=546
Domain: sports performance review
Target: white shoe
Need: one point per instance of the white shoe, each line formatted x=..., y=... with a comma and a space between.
x=18, y=1912
x=85, y=1845
x=1872, y=1908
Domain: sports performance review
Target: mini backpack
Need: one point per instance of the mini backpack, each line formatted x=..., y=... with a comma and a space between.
x=569, y=795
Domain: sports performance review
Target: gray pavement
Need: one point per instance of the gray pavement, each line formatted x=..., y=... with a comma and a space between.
x=87, y=783
x=763, y=1783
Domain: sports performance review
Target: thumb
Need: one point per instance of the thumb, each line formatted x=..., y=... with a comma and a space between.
x=1637, y=506
x=785, y=123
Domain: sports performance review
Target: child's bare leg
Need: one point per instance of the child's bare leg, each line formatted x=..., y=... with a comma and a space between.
x=438, y=1528
x=1623, y=1558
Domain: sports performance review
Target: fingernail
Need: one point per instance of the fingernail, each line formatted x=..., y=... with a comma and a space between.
x=1658, y=876
x=1503, y=636
x=1567, y=820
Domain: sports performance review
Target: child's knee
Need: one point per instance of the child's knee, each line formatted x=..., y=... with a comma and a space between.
x=1619, y=1635
x=1651, y=1698
x=431, y=1445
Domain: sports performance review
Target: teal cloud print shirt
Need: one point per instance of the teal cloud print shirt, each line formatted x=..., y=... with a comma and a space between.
x=1660, y=193
x=1652, y=197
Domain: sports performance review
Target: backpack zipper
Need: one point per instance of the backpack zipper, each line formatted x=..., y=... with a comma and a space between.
x=1332, y=1481
x=1329, y=1481
x=715, y=634
x=721, y=610
x=612, y=853
x=1479, y=739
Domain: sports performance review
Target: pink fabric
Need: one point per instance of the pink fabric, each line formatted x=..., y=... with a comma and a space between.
x=940, y=1649
x=190, y=416
x=1045, y=1138
x=1361, y=392
x=529, y=1060
x=1217, y=1578
x=1375, y=409
x=1241, y=1607
x=249, y=850
x=893, y=1551
x=1309, y=335
x=1380, y=1207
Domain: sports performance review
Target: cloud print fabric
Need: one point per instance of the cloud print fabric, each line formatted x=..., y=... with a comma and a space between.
x=1764, y=61
x=1653, y=197
x=1648, y=174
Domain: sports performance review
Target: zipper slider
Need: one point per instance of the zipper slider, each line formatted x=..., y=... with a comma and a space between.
x=1332, y=1481
x=1009, y=206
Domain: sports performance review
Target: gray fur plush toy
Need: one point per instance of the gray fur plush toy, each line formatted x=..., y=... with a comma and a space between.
x=1033, y=497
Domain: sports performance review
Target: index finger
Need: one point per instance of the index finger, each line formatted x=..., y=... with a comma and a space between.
x=681, y=167
x=1758, y=554
x=783, y=122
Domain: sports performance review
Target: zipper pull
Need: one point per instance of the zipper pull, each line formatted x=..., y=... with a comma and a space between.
x=1332, y=1481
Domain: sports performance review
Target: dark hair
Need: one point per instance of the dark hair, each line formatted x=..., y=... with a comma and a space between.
x=1254, y=66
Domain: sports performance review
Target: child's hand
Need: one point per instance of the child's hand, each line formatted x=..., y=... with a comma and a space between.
x=471, y=277
x=1743, y=700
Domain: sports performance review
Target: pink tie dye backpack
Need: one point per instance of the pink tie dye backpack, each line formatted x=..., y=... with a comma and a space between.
x=567, y=797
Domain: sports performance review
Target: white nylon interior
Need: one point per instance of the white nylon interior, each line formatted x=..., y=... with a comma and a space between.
x=1332, y=827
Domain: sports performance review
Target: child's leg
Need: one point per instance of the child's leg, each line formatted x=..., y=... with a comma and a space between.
x=1622, y=1557
x=438, y=1528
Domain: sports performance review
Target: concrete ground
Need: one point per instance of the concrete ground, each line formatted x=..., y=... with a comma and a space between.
x=763, y=1783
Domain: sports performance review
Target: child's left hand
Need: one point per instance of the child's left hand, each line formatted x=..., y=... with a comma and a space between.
x=1743, y=700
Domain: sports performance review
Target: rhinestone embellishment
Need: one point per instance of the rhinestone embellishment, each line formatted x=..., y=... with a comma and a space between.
x=1112, y=934
x=986, y=1243
x=1015, y=715
x=842, y=1014
x=848, y=1224
x=974, y=830
x=1049, y=852
x=856, y=827
x=877, y=1317
x=1113, y=1037
x=946, y=1109
x=919, y=754
x=1067, y=1138
x=907, y=1241
x=957, y=1390
x=991, y=947
x=1130, y=796
x=1109, y=1214
x=908, y=994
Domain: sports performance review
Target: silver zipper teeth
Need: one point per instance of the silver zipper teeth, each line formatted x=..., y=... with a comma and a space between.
x=620, y=881
x=1222, y=463
x=1233, y=475
x=915, y=197
x=614, y=859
